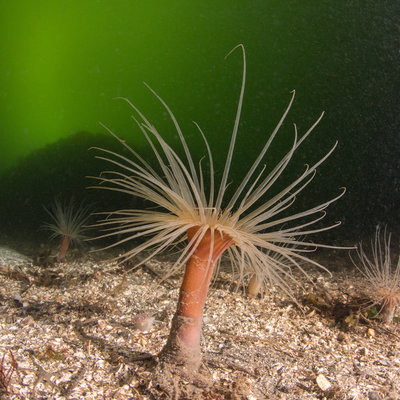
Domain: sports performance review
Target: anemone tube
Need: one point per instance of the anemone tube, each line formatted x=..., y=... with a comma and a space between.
x=64, y=245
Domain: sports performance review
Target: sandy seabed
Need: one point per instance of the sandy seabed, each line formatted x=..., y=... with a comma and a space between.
x=72, y=330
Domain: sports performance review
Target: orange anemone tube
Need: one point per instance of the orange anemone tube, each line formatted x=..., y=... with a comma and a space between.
x=388, y=309
x=183, y=346
x=65, y=241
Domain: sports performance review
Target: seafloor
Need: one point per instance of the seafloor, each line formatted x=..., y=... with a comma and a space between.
x=70, y=328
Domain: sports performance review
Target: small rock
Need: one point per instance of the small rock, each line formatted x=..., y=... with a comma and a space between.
x=102, y=324
x=29, y=321
x=363, y=351
x=370, y=333
x=373, y=396
x=323, y=383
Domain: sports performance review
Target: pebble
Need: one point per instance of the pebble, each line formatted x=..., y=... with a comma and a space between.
x=29, y=321
x=370, y=333
x=373, y=396
x=323, y=383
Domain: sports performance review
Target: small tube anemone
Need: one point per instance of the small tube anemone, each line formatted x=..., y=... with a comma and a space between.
x=248, y=224
x=382, y=281
x=278, y=274
x=68, y=223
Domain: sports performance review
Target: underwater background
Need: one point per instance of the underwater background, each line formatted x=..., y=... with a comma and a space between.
x=63, y=63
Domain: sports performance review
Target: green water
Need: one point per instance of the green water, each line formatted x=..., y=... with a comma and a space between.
x=62, y=64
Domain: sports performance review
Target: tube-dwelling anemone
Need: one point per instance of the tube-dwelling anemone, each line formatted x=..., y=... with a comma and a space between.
x=194, y=208
x=278, y=274
x=68, y=223
x=382, y=279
